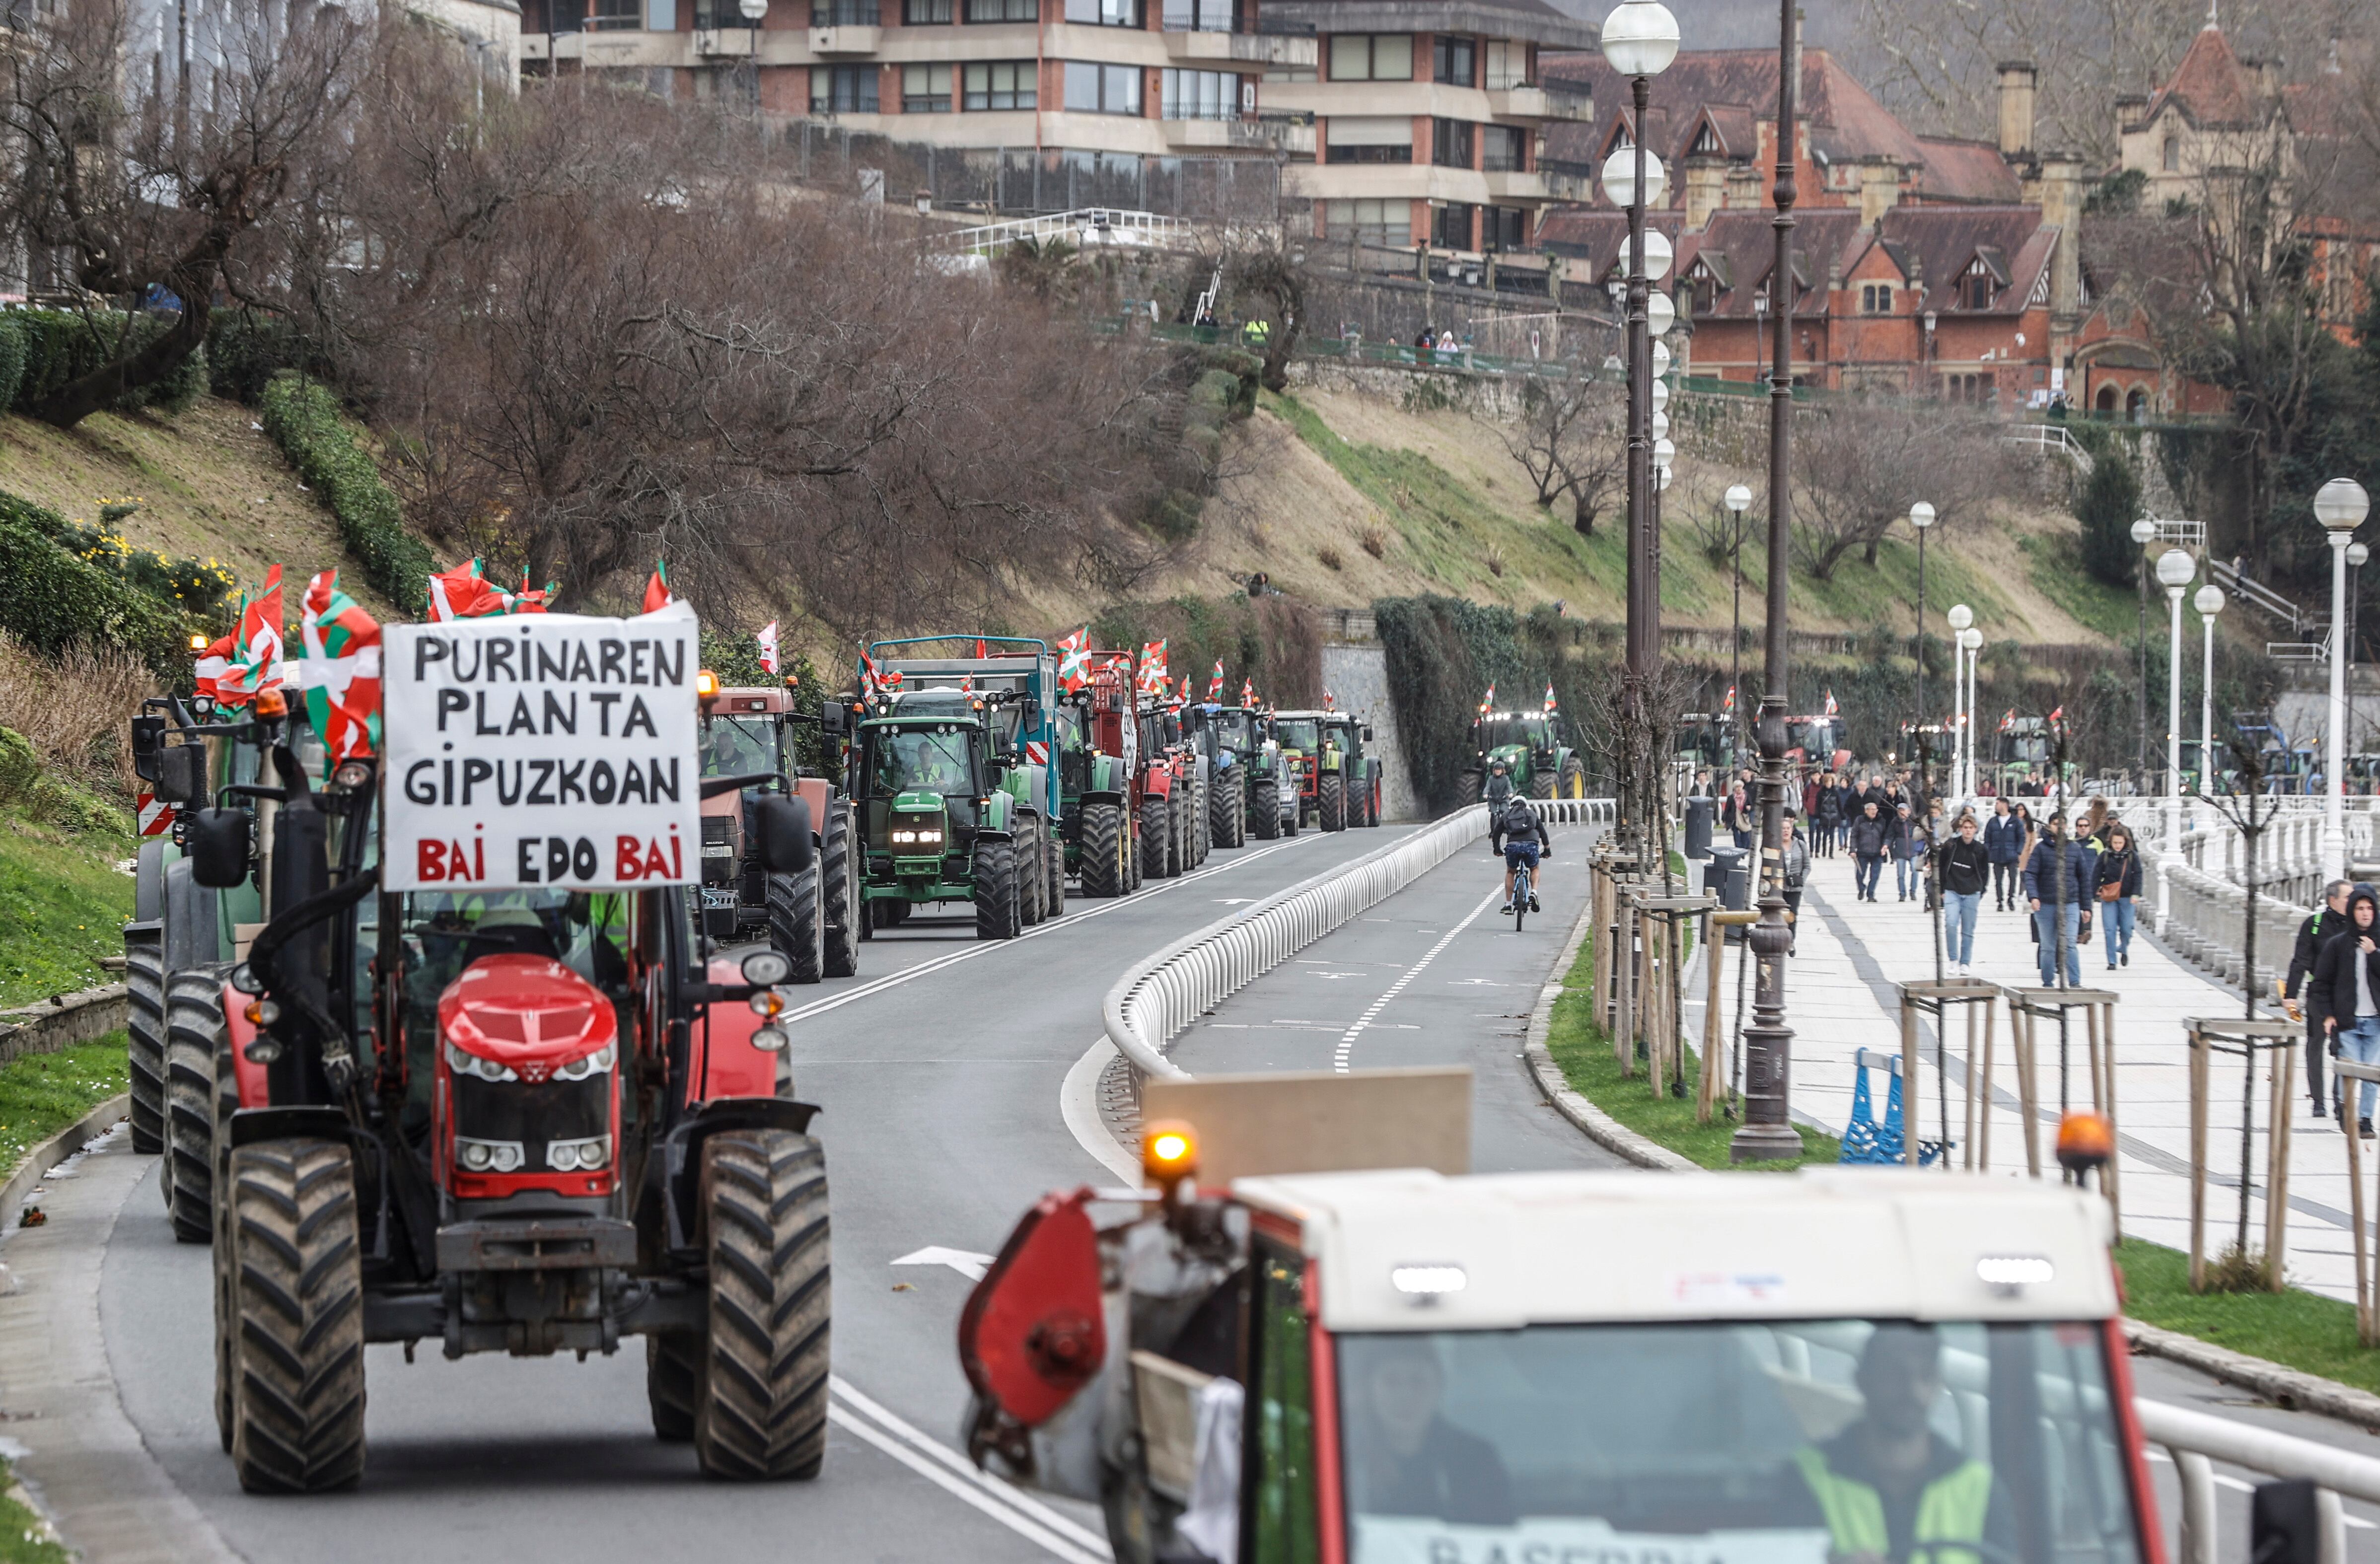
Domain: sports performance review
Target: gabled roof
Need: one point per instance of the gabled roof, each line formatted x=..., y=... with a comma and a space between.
x=2012, y=242
x=1740, y=247
x=2209, y=85
x=1595, y=236
x=1961, y=170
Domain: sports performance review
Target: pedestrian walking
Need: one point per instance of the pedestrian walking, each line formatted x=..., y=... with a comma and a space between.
x=2058, y=877
x=1870, y=839
x=1908, y=849
x=1966, y=870
x=2327, y=919
x=2118, y=878
x=1738, y=816
x=2003, y=844
x=2345, y=979
x=1830, y=814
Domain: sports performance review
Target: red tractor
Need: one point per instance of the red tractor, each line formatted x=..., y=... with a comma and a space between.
x=504, y=1092
x=1104, y=779
x=749, y=734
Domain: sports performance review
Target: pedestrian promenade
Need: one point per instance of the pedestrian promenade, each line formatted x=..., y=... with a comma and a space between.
x=1840, y=998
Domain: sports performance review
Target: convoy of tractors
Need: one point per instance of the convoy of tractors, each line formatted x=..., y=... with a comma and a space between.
x=477, y=1041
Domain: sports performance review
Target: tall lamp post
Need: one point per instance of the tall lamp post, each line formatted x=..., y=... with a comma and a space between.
x=1960, y=616
x=2208, y=601
x=1972, y=641
x=1739, y=500
x=1921, y=516
x=2175, y=569
x=1640, y=38
x=1767, y=1133
x=2143, y=534
x=2356, y=556
x=2340, y=506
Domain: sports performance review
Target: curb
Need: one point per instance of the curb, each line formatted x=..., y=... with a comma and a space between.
x=62, y=1021
x=56, y=1150
x=1588, y=1120
x=2288, y=1388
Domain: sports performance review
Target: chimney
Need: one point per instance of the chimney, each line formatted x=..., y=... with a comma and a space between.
x=1706, y=189
x=1879, y=188
x=2019, y=81
x=1744, y=188
x=2268, y=77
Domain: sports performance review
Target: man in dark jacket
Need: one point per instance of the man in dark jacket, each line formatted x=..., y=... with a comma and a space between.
x=2344, y=994
x=1869, y=840
x=2327, y=919
x=2003, y=844
x=2057, y=884
x=1965, y=868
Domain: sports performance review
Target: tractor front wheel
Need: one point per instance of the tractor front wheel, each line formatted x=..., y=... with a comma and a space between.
x=1541, y=782
x=1573, y=779
x=1157, y=836
x=794, y=927
x=1103, y=849
x=1030, y=881
x=194, y=1026
x=1332, y=793
x=995, y=909
x=761, y=1411
x=1227, y=809
x=1264, y=811
x=145, y=1030
x=1053, y=852
x=298, y=1309
x=841, y=888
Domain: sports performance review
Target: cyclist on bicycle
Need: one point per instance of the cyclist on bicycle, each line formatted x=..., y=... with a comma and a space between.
x=1525, y=842
x=1497, y=793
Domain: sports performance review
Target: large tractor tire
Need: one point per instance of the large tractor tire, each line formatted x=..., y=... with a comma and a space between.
x=1541, y=784
x=1296, y=815
x=296, y=1287
x=1472, y=788
x=194, y=1032
x=995, y=909
x=1264, y=808
x=1135, y=856
x=798, y=924
x=1332, y=808
x=1103, y=850
x=840, y=897
x=145, y=1030
x=1573, y=783
x=761, y=1415
x=1372, y=794
x=1031, y=882
x=1227, y=808
x=226, y=1104
x=1053, y=856
x=1199, y=823
x=673, y=1363
x=1157, y=836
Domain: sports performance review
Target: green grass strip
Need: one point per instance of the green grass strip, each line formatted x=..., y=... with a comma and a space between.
x=2293, y=1328
x=43, y=1093
x=24, y=1537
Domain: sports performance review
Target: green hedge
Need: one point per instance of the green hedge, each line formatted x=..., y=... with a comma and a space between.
x=49, y=348
x=12, y=358
x=245, y=350
x=302, y=417
x=56, y=600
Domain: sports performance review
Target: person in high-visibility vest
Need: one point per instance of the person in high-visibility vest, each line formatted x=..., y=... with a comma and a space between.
x=1257, y=333
x=1889, y=1489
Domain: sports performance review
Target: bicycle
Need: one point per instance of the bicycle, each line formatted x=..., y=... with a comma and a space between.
x=1522, y=873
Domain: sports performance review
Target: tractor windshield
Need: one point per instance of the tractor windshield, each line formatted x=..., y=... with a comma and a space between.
x=738, y=747
x=1234, y=730
x=1812, y=736
x=1301, y=734
x=1758, y=1443
x=1497, y=733
x=939, y=758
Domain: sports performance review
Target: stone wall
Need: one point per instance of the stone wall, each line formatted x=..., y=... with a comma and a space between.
x=1357, y=678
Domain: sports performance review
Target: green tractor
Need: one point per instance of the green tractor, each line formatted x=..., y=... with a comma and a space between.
x=1536, y=754
x=1362, y=771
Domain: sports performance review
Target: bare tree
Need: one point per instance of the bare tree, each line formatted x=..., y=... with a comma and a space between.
x=1570, y=439
x=125, y=192
x=1861, y=464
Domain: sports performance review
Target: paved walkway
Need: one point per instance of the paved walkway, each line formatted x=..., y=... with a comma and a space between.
x=1841, y=996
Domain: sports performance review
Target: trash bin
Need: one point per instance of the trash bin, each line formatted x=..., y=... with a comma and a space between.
x=1729, y=874
x=1700, y=814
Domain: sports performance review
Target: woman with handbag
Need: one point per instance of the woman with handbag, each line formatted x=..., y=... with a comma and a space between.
x=2119, y=890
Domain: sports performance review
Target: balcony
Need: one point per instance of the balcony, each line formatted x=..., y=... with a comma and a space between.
x=1245, y=48
x=1539, y=103
x=1292, y=136
x=1513, y=187
x=845, y=26
x=714, y=43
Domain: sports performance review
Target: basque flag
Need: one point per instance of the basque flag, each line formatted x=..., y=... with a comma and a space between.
x=342, y=669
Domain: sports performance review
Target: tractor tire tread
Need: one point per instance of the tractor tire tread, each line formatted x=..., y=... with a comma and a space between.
x=194, y=1025
x=1102, y=855
x=297, y=1286
x=996, y=908
x=841, y=903
x=1330, y=805
x=762, y=1411
x=144, y=988
x=796, y=925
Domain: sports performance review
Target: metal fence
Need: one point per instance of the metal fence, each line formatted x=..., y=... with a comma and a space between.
x=2197, y=1440
x=1154, y=999
x=2200, y=895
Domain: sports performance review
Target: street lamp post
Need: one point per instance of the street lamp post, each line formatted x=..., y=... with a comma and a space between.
x=2340, y=506
x=1960, y=616
x=2356, y=556
x=1767, y=1133
x=1921, y=516
x=1640, y=38
x=2208, y=602
x=2175, y=569
x=1739, y=500
x=2143, y=534
x=1972, y=641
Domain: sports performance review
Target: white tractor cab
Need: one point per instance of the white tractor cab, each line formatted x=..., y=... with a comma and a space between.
x=1401, y=1365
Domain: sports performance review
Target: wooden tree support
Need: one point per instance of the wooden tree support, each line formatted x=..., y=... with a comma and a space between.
x=2027, y=1009
x=1971, y=995
x=2245, y=1039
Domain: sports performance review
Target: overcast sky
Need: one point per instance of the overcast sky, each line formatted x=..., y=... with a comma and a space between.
x=1733, y=24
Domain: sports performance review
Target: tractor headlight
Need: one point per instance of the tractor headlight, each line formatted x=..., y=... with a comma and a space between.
x=770, y=1039
x=595, y=1063
x=489, y=1156
x=569, y=1156
x=485, y=1069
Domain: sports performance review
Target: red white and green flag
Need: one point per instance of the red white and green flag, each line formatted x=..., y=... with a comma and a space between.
x=767, y=637
x=463, y=592
x=1074, y=660
x=1248, y=692
x=1153, y=667
x=1215, y=684
x=254, y=664
x=211, y=666
x=1550, y=703
x=342, y=668
x=658, y=595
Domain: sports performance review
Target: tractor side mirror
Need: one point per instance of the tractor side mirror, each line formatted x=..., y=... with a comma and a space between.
x=217, y=844
x=148, y=740
x=2284, y=1524
x=784, y=826
x=832, y=716
x=1034, y=1330
x=1368, y=733
x=182, y=774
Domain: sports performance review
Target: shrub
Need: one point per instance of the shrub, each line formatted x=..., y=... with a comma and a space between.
x=246, y=350
x=56, y=599
x=180, y=389
x=2108, y=505
x=302, y=417
x=12, y=358
x=53, y=346
x=1376, y=541
x=1330, y=557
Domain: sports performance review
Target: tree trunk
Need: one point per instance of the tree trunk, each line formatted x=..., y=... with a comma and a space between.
x=194, y=280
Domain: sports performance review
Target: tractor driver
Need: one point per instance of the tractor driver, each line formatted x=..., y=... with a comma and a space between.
x=1887, y=1489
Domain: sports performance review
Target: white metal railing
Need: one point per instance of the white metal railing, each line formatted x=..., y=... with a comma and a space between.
x=2053, y=440
x=1152, y=1002
x=2259, y=596
x=2200, y=891
x=2197, y=1441
x=1085, y=226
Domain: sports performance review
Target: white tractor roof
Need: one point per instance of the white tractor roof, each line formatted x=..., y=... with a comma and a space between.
x=1829, y=1243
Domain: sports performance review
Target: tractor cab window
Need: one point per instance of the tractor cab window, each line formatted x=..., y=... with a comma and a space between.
x=738, y=747
x=1811, y=737
x=1008, y=726
x=939, y=758
x=1753, y=1440
x=1301, y=734
x=1500, y=733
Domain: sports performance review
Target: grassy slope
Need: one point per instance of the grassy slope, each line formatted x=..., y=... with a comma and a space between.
x=62, y=903
x=43, y=1094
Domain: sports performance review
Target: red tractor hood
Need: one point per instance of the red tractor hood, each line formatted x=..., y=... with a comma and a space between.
x=525, y=1011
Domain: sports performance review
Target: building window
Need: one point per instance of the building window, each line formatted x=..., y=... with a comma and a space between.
x=1451, y=61
x=1973, y=390
x=1094, y=89
x=1369, y=138
x=1976, y=289
x=1450, y=225
x=999, y=84
x=1371, y=57
x=1705, y=142
x=1202, y=15
x=1508, y=63
x=1201, y=94
x=1388, y=222
x=1504, y=229
x=1504, y=148
x=1875, y=298
x=924, y=88
x=925, y=13
x=1003, y=10
x=613, y=16
x=1104, y=13
x=1702, y=292
x=2172, y=155
x=1450, y=142
x=845, y=13
x=843, y=89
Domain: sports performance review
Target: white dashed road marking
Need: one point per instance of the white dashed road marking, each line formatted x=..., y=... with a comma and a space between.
x=1339, y=1060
